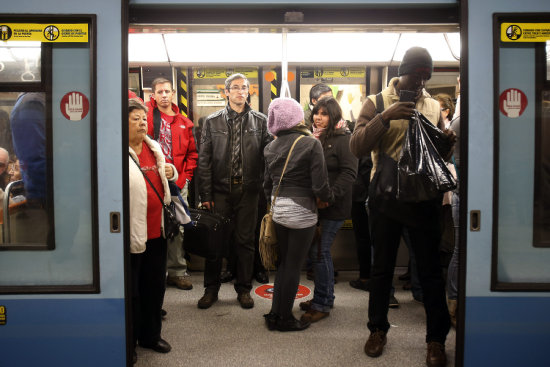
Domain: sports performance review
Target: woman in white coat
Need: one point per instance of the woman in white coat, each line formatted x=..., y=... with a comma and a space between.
x=147, y=242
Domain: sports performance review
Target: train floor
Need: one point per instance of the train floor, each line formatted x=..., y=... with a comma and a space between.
x=228, y=335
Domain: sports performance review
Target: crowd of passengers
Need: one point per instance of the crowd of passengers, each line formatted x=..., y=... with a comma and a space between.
x=329, y=173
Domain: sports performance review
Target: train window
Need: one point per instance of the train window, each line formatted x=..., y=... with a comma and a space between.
x=26, y=212
x=47, y=170
x=521, y=218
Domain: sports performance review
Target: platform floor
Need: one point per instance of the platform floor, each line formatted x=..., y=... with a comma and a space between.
x=227, y=335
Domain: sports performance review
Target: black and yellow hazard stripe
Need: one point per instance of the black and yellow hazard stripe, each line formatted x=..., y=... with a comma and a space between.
x=275, y=85
x=183, y=100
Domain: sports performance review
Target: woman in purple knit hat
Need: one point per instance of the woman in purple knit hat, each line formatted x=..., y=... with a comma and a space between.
x=304, y=185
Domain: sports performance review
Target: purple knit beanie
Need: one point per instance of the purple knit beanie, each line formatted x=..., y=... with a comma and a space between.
x=284, y=114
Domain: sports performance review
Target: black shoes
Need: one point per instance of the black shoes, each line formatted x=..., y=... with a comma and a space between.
x=160, y=346
x=360, y=284
x=291, y=324
x=163, y=313
x=261, y=277
x=207, y=299
x=226, y=276
x=406, y=276
x=271, y=320
x=375, y=344
x=245, y=300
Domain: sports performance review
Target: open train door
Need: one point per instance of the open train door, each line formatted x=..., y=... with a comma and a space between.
x=62, y=290
x=507, y=280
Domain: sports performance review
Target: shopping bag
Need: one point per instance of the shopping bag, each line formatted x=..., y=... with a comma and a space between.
x=421, y=171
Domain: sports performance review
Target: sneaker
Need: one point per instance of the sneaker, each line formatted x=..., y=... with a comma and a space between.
x=436, y=355
x=394, y=303
x=245, y=300
x=207, y=299
x=360, y=284
x=375, y=344
x=179, y=282
x=312, y=316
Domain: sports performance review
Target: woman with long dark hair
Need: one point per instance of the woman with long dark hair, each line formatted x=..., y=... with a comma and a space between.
x=332, y=132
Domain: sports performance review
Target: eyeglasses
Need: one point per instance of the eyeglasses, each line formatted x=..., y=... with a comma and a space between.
x=236, y=88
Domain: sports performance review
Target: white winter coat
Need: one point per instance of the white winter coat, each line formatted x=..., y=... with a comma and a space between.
x=138, y=195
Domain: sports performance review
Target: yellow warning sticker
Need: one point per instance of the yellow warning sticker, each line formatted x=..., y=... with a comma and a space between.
x=3, y=318
x=44, y=32
x=525, y=32
x=333, y=72
x=222, y=73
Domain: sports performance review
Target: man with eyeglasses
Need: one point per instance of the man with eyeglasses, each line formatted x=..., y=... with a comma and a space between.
x=380, y=130
x=231, y=165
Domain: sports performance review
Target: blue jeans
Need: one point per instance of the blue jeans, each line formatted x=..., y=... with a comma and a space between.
x=323, y=295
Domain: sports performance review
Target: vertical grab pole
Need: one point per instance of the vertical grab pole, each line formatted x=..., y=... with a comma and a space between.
x=285, y=88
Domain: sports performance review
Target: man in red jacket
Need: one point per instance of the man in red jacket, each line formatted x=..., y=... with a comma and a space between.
x=174, y=132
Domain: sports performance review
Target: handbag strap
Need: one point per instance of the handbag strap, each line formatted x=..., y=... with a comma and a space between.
x=284, y=169
x=147, y=178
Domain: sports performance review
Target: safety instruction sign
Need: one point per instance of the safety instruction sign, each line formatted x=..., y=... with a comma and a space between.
x=58, y=33
x=209, y=98
x=223, y=73
x=333, y=72
x=525, y=32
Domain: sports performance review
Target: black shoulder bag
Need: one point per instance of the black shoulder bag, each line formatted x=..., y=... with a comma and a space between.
x=171, y=224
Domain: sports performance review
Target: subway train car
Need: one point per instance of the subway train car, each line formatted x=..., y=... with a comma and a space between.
x=64, y=259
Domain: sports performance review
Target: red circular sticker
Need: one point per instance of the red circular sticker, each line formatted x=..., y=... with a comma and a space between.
x=266, y=291
x=512, y=102
x=74, y=106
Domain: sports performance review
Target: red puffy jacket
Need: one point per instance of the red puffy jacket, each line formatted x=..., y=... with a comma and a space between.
x=184, y=151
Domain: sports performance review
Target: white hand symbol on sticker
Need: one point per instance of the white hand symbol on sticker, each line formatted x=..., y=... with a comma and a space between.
x=74, y=108
x=512, y=103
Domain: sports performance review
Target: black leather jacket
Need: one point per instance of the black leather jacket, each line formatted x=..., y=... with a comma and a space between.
x=215, y=152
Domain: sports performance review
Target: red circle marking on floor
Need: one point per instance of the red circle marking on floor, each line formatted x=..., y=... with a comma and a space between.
x=266, y=291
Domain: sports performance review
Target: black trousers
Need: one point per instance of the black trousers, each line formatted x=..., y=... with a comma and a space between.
x=425, y=239
x=360, y=219
x=293, y=249
x=148, y=287
x=242, y=208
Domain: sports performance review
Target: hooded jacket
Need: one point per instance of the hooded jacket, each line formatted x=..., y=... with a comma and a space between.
x=184, y=151
x=215, y=151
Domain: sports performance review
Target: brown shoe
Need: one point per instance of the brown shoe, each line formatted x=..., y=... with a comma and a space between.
x=305, y=306
x=313, y=315
x=245, y=300
x=375, y=343
x=179, y=282
x=207, y=299
x=436, y=355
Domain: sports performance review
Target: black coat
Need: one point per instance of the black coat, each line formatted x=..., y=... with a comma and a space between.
x=215, y=152
x=306, y=174
x=342, y=170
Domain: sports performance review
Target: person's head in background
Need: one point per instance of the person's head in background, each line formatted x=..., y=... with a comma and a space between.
x=4, y=160
x=447, y=107
x=15, y=171
x=319, y=91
